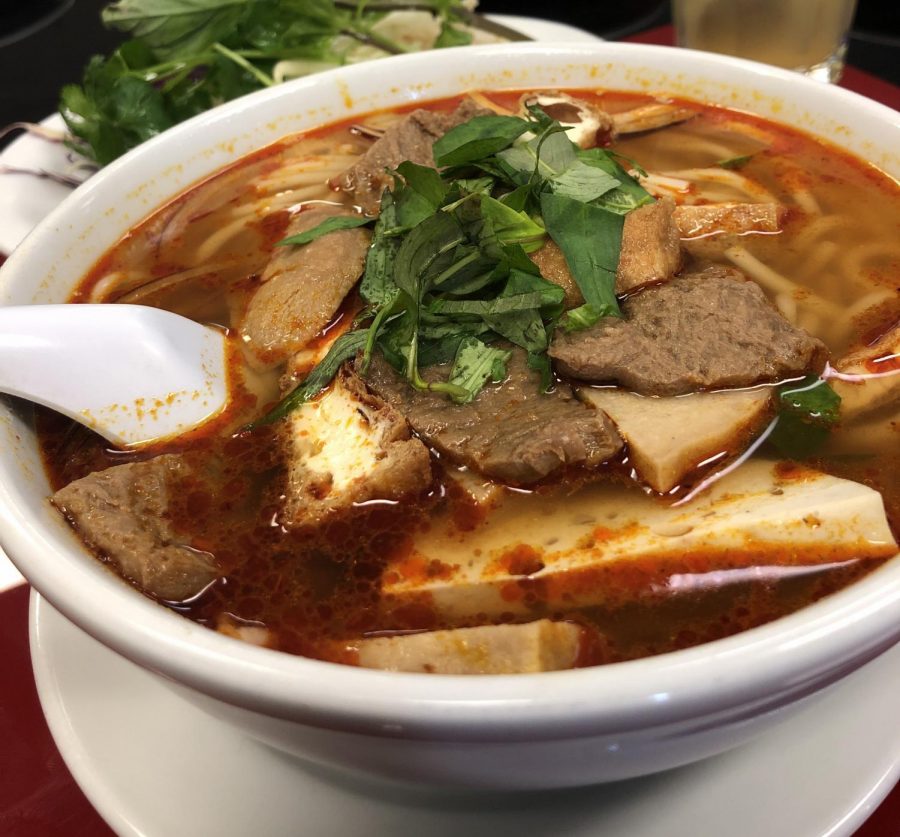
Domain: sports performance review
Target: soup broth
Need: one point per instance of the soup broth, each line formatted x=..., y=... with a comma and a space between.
x=386, y=568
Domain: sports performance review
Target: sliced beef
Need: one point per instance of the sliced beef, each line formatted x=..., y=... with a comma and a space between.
x=409, y=139
x=121, y=513
x=303, y=286
x=510, y=432
x=349, y=446
x=651, y=252
x=709, y=330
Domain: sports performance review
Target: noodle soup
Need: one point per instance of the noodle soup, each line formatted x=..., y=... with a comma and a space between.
x=603, y=551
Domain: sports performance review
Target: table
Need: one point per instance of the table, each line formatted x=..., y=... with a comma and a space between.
x=38, y=797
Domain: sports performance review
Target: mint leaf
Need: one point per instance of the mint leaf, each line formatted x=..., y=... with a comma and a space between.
x=512, y=226
x=477, y=138
x=344, y=348
x=338, y=222
x=590, y=238
x=173, y=27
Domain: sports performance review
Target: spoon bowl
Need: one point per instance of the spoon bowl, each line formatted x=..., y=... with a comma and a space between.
x=131, y=373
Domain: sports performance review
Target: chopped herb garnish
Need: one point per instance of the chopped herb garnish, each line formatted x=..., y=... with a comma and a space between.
x=735, y=162
x=448, y=273
x=475, y=364
x=338, y=222
x=477, y=138
x=807, y=410
x=344, y=348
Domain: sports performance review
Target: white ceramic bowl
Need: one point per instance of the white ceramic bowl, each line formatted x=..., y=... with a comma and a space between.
x=525, y=731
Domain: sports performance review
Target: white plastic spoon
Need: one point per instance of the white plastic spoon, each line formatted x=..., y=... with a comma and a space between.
x=129, y=372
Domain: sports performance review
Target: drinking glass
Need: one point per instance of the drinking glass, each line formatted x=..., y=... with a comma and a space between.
x=809, y=36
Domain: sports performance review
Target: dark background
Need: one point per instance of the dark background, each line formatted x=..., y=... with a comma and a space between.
x=45, y=43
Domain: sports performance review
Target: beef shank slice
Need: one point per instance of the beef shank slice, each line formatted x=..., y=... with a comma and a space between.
x=303, y=286
x=410, y=138
x=510, y=432
x=708, y=330
x=121, y=513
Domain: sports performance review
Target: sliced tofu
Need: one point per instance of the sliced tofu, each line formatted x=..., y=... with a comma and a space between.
x=488, y=649
x=669, y=437
x=870, y=393
x=601, y=542
x=477, y=490
x=348, y=446
x=728, y=219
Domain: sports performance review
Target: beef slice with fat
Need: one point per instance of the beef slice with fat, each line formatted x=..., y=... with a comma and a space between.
x=708, y=330
x=122, y=514
x=510, y=432
x=303, y=286
x=411, y=138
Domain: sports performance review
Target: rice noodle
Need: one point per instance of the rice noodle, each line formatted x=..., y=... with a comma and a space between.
x=805, y=200
x=660, y=185
x=819, y=227
x=756, y=192
x=870, y=300
x=102, y=287
x=154, y=285
x=777, y=283
x=854, y=377
x=819, y=258
x=854, y=260
x=788, y=306
x=485, y=102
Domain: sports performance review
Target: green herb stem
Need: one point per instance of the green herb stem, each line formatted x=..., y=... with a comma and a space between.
x=259, y=75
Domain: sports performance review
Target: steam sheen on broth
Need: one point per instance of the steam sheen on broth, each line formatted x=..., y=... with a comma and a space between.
x=596, y=550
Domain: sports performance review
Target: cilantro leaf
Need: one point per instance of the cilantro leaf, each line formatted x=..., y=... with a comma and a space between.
x=474, y=365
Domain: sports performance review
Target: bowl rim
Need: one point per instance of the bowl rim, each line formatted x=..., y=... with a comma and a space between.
x=752, y=671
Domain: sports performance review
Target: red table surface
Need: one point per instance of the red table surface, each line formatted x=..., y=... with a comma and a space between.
x=39, y=798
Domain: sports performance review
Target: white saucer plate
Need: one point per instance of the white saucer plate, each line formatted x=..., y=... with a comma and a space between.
x=154, y=765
